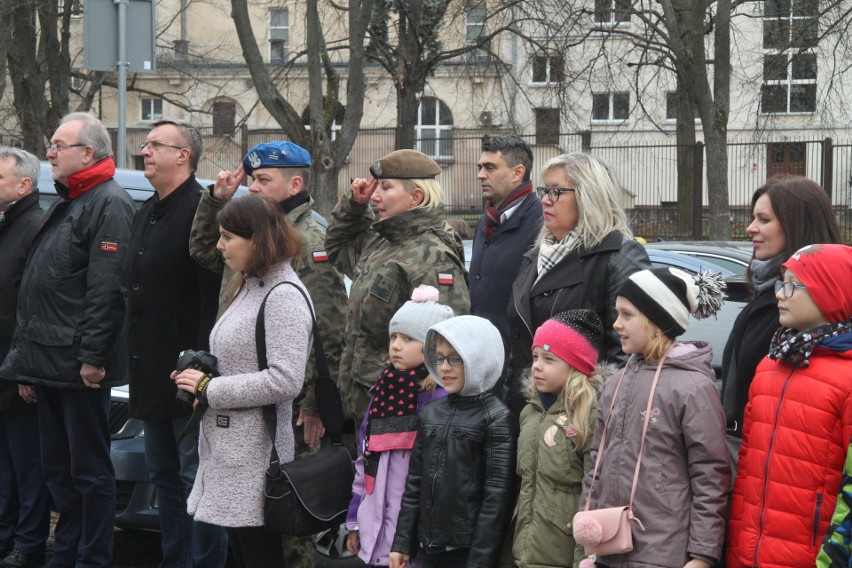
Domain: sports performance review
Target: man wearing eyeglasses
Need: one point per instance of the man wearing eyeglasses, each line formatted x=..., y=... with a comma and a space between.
x=69, y=346
x=172, y=304
x=507, y=229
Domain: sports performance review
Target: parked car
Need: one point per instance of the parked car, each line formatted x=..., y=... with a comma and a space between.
x=732, y=255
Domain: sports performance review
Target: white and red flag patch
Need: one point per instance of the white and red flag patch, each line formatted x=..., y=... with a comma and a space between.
x=320, y=256
x=446, y=278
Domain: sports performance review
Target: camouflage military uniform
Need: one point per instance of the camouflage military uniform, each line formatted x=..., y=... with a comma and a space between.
x=328, y=293
x=386, y=260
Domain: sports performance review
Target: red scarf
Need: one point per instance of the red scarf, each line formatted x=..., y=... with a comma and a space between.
x=84, y=180
x=493, y=214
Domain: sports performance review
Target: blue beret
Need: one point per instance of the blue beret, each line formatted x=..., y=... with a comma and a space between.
x=279, y=154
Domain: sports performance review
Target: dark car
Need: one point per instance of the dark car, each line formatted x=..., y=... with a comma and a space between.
x=732, y=255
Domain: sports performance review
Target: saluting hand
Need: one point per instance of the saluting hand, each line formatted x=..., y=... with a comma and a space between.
x=227, y=183
x=362, y=189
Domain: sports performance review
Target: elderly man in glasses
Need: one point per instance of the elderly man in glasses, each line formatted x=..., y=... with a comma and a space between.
x=69, y=346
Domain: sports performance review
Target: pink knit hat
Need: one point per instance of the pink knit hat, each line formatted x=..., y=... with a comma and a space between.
x=574, y=337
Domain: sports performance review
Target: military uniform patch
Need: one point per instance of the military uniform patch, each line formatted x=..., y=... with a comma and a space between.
x=320, y=256
x=446, y=279
x=223, y=421
x=382, y=288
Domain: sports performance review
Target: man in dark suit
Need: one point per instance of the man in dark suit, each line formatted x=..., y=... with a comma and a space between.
x=172, y=307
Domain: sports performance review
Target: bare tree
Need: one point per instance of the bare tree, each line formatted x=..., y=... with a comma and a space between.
x=39, y=63
x=324, y=93
x=410, y=39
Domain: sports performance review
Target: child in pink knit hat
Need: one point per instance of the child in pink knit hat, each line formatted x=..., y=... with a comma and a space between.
x=557, y=426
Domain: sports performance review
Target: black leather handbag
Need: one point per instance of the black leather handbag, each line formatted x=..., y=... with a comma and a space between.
x=312, y=494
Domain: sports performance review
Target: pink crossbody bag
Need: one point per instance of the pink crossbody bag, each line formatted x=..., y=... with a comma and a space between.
x=608, y=531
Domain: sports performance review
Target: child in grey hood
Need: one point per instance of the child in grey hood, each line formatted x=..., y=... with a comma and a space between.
x=458, y=493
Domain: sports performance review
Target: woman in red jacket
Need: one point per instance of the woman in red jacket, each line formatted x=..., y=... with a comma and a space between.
x=798, y=420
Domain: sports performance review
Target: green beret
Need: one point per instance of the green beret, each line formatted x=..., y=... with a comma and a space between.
x=405, y=164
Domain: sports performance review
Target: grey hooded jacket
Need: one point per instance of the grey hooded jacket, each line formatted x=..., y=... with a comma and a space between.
x=459, y=488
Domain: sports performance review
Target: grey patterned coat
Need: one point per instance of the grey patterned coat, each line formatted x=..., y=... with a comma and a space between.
x=234, y=445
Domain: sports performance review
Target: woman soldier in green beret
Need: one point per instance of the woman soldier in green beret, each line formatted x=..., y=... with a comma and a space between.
x=388, y=250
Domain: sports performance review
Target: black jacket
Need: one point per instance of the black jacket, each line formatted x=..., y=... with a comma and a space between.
x=496, y=260
x=459, y=485
x=172, y=301
x=72, y=303
x=23, y=219
x=586, y=278
x=747, y=345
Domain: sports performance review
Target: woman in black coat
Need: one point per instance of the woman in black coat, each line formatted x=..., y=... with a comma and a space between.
x=789, y=212
x=583, y=254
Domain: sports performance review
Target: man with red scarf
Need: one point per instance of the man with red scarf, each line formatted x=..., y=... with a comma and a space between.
x=506, y=230
x=69, y=346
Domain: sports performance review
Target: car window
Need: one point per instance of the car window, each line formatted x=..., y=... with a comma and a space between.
x=732, y=265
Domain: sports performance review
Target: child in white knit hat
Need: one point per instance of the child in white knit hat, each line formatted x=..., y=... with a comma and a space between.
x=390, y=426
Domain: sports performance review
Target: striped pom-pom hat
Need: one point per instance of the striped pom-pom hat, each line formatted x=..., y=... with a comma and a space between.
x=667, y=296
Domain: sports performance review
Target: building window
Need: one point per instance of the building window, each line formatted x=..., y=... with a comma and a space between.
x=547, y=69
x=474, y=32
x=547, y=126
x=671, y=107
x=434, y=129
x=279, y=35
x=611, y=107
x=612, y=11
x=224, y=117
x=152, y=109
x=790, y=30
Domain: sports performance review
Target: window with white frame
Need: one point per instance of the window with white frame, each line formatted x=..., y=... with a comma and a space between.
x=434, y=129
x=612, y=11
x=547, y=69
x=790, y=35
x=152, y=109
x=610, y=107
x=474, y=31
x=279, y=35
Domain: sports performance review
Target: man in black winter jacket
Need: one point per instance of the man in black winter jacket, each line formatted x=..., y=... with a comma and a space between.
x=172, y=304
x=24, y=503
x=69, y=345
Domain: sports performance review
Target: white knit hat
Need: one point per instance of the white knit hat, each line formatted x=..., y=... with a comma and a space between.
x=420, y=313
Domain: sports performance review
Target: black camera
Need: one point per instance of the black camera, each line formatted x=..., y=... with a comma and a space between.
x=199, y=360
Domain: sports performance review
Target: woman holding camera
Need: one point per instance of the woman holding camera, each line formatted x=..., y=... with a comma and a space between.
x=257, y=243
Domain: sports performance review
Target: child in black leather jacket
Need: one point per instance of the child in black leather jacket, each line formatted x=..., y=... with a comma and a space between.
x=458, y=493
